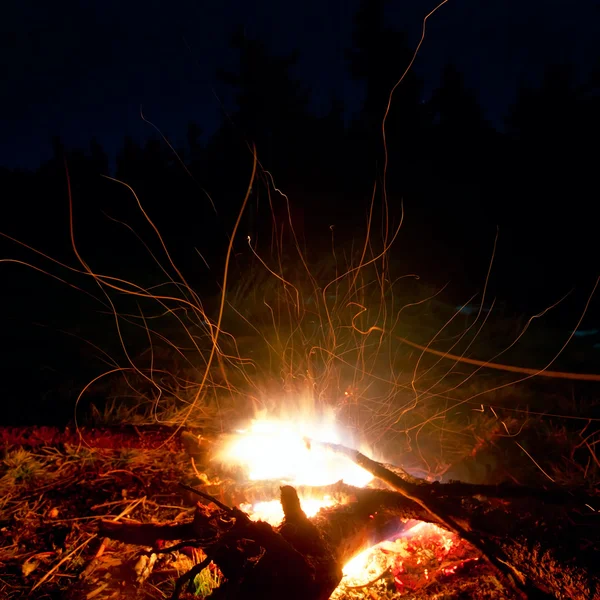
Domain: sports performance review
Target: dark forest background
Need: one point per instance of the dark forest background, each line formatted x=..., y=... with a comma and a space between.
x=458, y=178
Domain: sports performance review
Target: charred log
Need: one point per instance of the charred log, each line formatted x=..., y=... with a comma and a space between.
x=546, y=543
x=257, y=560
x=547, y=548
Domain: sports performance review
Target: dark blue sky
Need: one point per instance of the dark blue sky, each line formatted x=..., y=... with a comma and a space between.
x=83, y=68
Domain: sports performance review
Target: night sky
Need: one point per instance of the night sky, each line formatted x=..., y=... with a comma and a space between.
x=82, y=69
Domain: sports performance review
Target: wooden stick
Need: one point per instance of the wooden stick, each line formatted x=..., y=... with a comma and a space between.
x=411, y=491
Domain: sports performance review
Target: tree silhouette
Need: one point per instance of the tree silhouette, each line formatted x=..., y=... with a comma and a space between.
x=130, y=162
x=455, y=109
x=271, y=106
x=462, y=143
x=98, y=157
x=378, y=58
x=327, y=168
x=552, y=128
x=549, y=113
x=195, y=149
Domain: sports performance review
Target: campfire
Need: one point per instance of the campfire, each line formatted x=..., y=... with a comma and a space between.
x=296, y=506
x=286, y=507
x=301, y=453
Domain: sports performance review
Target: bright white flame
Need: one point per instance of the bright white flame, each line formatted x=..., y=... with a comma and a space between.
x=272, y=512
x=282, y=450
x=272, y=449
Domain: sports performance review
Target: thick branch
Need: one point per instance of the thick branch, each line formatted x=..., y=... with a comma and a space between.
x=552, y=549
x=537, y=545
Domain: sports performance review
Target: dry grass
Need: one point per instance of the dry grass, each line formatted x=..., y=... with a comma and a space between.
x=48, y=541
x=334, y=331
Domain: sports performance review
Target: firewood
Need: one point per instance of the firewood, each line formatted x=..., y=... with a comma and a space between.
x=543, y=548
x=550, y=548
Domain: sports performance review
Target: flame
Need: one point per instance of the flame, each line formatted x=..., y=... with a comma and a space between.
x=284, y=450
x=280, y=449
x=370, y=562
x=401, y=559
x=272, y=449
x=272, y=513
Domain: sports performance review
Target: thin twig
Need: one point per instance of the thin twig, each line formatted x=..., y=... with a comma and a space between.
x=61, y=562
x=207, y=497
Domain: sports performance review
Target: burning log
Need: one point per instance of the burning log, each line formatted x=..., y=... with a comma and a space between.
x=543, y=543
x=257, y=560
x=546, y=544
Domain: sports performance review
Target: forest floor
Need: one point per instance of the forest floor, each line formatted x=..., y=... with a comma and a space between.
x=56, y=486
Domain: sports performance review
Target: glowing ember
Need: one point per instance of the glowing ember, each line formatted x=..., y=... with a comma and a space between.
x=372, y=561
x=281, y=450
x=422, y=553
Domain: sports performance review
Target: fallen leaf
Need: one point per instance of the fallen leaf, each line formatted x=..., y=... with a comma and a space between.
x=29, y=566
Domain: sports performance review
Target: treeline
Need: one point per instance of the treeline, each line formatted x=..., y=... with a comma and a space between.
x=457, y=176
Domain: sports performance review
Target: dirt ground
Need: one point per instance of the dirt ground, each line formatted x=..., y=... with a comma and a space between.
x=56, y=486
